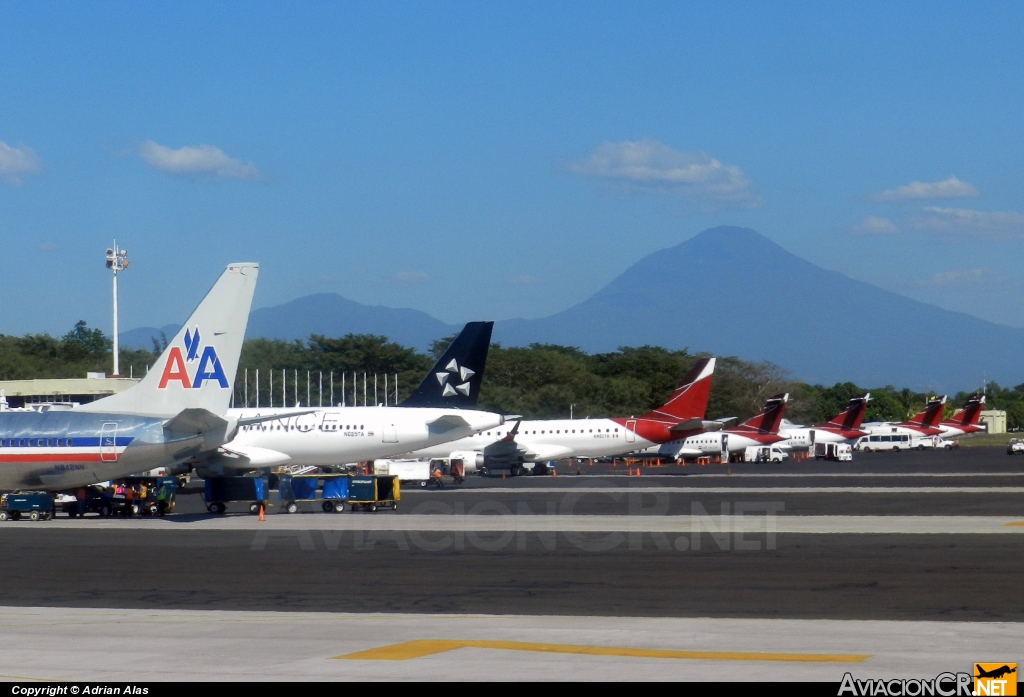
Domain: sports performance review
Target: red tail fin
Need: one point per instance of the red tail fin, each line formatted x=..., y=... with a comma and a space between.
x=931, y=415
x=970, y=414
x=690, y=400
x=769, y=419
x=851, y=417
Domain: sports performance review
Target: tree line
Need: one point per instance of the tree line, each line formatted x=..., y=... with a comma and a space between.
x=538, y=381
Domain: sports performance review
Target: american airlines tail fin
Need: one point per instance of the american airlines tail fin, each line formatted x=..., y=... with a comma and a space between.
x=197, y=369
x=690, y=400
x=770, y=418
x=454, y=382
x=851, y=417
x=931, y=415
x=970, y=414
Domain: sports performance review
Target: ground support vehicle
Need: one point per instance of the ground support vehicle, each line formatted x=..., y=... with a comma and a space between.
x=97, y=500
x=150, y=504
x=34, y=505
x=219, y=491
x=373, y=492
x=894, y=443
x=764, y=453
x=837, y=452
x=1016, y=445
x=412, y=471
x=293, y=489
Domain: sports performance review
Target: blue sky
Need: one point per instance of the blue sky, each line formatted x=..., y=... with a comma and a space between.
x=496, y=160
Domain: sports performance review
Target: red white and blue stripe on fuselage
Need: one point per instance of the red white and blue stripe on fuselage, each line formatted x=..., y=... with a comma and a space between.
x=68, y=450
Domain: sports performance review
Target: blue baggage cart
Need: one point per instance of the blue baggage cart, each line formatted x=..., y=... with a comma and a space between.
x=373, y=492
x=295, y=489
x=34, y=505
x=220, y=491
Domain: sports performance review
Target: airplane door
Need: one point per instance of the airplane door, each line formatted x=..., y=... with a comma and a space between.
x=725, y=447
x=108, y=442
x=630, y=431
x=389, y=434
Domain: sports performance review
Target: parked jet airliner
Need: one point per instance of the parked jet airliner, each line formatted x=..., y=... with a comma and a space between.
x=439, y=411
x=539, y=441
x=965, y=420
x=177, y=411
x=842, y=428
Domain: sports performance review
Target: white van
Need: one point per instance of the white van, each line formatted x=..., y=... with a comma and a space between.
x=764, y=453
x=839, y=452
x=895, y=443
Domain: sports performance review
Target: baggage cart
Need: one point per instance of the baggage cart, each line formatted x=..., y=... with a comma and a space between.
x=219, y=491
x=374, y=491
x=34, y=505
x=298, y=488
x=97, y=500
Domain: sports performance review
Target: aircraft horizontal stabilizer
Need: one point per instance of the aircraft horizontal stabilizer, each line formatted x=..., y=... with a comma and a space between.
x=194, y=421
x=694, y=424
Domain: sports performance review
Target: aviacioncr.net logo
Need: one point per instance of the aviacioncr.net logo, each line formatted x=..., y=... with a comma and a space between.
x=206, y=366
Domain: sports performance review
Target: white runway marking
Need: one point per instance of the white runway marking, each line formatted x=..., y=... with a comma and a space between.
x=751, y=521
x=124, y=645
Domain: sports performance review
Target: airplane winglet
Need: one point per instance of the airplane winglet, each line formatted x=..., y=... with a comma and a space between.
x=512, y=434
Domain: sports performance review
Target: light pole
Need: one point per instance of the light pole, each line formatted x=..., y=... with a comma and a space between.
x=117, y=260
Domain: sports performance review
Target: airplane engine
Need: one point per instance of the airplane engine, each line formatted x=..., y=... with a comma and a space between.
x=471, y=460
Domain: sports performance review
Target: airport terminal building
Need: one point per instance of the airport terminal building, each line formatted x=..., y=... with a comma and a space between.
x=70, y=391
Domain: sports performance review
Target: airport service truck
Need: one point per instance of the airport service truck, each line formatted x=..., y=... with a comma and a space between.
x=416, y=471
x=837, y=452
x=764, y=453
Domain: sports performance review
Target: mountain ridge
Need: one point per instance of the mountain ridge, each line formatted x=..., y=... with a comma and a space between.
x=726, y=291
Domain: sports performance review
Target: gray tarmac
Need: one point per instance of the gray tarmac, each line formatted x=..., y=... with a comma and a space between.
x=930, y=539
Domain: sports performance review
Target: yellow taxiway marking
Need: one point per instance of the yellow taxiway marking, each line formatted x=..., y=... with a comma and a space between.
x=1019, y=524
x=429, y=647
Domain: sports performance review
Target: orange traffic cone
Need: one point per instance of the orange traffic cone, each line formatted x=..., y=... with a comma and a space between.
x=554, y=472
x=262, y=518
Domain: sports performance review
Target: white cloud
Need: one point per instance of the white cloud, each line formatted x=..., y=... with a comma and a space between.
x=17, y=162
x=648, y=165
x=413, y=277
x=950, y=188
x=193, y=160
x=994, y=224
x=955, y=278
x=873, y=225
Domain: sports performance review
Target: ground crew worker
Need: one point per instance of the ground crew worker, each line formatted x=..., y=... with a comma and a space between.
x=129, y=496
x=437, y=478
x=80, y=501
x=161, y=500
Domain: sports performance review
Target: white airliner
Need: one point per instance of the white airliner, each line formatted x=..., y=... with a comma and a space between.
x=965, y=420
x=439, y=411
x=843, y=428
x=762, y=429
x=512, y=448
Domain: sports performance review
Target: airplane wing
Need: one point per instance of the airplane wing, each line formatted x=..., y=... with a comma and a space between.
x=194, y=420
x=250, y=420
x=255, y=457
x=539, y=453
x=446, y=423
x=693, y=424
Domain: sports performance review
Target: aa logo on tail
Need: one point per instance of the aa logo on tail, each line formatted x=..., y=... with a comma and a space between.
x=206, y=365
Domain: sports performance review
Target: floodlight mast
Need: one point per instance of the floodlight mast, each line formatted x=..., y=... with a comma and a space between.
x=117, y=260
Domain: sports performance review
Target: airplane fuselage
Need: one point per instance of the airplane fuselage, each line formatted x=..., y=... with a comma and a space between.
x=543, y=440
x=338, y=435
x=57, y=450
x=807, y=437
